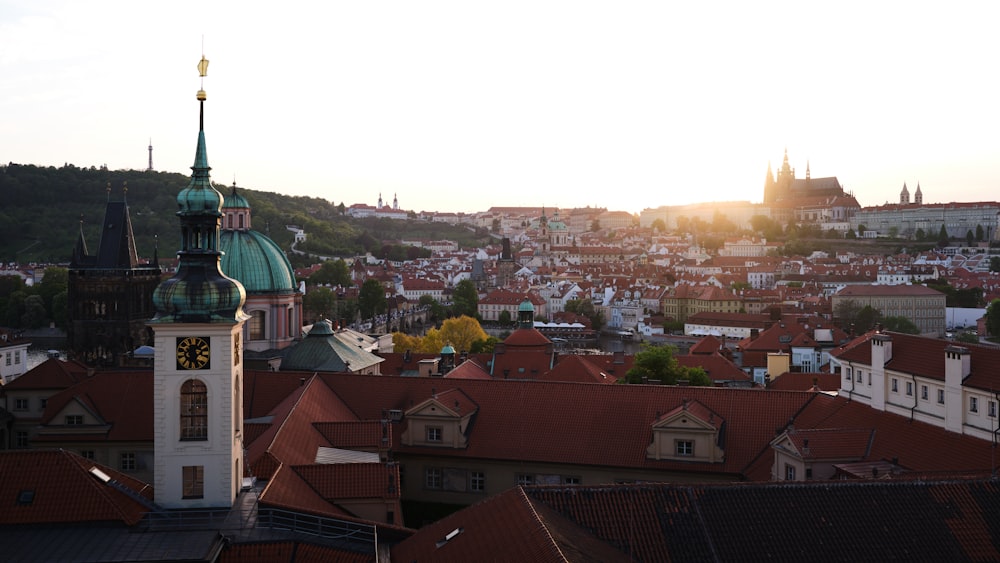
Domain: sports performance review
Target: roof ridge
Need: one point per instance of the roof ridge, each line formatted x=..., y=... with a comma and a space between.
x=541, y=522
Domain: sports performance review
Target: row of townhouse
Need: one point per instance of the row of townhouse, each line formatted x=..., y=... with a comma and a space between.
x=925, y=379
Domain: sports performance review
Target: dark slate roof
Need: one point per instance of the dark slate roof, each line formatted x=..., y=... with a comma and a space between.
x=828, y=521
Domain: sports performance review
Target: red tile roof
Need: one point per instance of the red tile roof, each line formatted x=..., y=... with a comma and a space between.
x=338, y=481
x=612, y=424
x=718, y=368
x=64, y=490
x=50, y=374
x=573, y=368
x=121, y=399
x=506, y=527
x=799, y=381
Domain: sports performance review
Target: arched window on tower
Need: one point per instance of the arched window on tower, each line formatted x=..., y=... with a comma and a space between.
x=257, y=325
x=194, y=410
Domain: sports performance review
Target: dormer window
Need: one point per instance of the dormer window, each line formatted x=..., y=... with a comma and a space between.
x=442, y=421
x=689, y=432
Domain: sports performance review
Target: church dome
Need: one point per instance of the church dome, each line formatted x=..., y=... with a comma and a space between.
x=235, y=200
x=257, y=261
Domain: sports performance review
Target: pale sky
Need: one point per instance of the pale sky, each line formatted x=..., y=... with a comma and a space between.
x=460, y=106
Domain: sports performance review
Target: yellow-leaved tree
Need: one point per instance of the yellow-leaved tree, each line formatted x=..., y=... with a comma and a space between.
x=460, y=332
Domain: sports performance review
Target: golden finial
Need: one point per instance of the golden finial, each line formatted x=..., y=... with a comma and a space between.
x=202, y=72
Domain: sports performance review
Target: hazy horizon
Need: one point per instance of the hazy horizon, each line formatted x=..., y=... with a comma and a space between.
x=455, y=106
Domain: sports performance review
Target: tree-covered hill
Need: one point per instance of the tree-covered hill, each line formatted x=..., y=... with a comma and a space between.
x=42, y=209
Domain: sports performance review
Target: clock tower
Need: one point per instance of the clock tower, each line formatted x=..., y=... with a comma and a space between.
x=198, y=367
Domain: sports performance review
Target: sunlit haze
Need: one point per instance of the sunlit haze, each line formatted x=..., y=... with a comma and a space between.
x=460, y=106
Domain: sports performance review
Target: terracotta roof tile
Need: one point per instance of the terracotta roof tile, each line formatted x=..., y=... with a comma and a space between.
x=506, y=527
x=62, y=489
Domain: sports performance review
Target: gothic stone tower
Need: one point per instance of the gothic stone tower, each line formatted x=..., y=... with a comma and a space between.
x=198, y=367
x=109, y=293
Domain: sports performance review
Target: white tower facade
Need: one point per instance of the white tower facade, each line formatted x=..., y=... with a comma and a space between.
x=198, y=364
x=198, y=415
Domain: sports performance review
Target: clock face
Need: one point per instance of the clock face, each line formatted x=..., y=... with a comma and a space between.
x=193, y=352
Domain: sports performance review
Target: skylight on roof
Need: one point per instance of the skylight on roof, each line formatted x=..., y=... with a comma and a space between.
x=100, y=474
x=451, y=535
x=26, y=496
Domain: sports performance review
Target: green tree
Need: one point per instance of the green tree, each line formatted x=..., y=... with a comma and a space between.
x=967, y=337
x=893, y=231
x=993, y=318
x=332, y=272
x=60, y=304
x=969, y=238
x=867, y=317
x=995, y=263
x=437, y=310
x=465, y=300
x=861, y=230
x=34, y=312
x=54, y=282
x=504, y=317
x=659, y=226
x=15, y=308
x=920, y=235
x=319, y=303
x=900, y=324
x=979, y=232
x=371, y=298
x=658, y=364
x=484, y=346
x=943, y=238
x=595, y=225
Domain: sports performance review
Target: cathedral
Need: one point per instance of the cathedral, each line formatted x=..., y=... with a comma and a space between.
x=785, y=185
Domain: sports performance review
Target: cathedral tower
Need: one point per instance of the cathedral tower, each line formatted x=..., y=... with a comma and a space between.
x=198, y=366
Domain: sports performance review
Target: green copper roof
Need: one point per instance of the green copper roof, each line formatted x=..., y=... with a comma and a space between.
x=199, y=196
x=199, y=292
x=256, y=261
x=321, y=350
x=235, y=200
x=526, y=306
x=448, y=349
x=198, y=295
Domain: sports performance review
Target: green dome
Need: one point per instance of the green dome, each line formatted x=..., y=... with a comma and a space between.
x=197, y=293
x=235, y=200
x=256, y=261
x=448, y=349
x=526, y=306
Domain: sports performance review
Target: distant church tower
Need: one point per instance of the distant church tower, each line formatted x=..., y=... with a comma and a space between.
x=379, y=206
x=150, y=168
x=904, y=195
x=506, y=265
x=198, y=366
x=395, y=203
x=918, y=197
